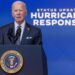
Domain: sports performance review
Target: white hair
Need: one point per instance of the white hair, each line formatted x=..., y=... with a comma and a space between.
x=19, y=2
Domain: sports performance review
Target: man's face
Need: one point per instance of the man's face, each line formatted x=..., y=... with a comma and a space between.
x=18, y=12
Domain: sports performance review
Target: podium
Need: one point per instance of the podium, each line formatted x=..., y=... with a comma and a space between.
x=33, y=56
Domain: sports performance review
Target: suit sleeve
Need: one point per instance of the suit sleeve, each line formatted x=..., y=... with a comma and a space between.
x=38, y=38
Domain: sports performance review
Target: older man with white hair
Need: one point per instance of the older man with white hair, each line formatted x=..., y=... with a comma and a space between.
x=20, y=32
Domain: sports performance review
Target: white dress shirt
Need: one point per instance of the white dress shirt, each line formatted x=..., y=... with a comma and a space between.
x=22, y=28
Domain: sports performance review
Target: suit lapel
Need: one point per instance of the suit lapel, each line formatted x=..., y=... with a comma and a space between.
x=25, y=33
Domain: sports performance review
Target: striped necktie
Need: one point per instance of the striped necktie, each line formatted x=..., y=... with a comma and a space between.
x=17, y=36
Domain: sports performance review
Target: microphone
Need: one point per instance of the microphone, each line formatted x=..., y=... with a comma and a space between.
x=18, y=33
x=13, y=38
x=10, y=35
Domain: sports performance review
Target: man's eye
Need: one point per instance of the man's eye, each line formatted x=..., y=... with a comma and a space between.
x=15, y=10
x=20, y=10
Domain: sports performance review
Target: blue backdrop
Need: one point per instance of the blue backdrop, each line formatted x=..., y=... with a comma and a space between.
x=58, y=42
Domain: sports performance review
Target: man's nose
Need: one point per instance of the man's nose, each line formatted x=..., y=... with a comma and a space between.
x=18, y=12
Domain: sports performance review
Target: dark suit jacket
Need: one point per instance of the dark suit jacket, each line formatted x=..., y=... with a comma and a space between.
x=31, y=35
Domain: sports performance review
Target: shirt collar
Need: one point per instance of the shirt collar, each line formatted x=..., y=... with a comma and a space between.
x=22, y=24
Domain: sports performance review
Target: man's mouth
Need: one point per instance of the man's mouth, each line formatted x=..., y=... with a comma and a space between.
x=18, y=17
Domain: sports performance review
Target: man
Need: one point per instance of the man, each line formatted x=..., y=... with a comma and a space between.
x=19, y=32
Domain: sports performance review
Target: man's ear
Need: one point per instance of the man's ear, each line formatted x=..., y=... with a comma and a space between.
x=12, y=13
x=26, y=12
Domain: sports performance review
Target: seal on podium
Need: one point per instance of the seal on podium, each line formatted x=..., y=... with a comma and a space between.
x=11, y=61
